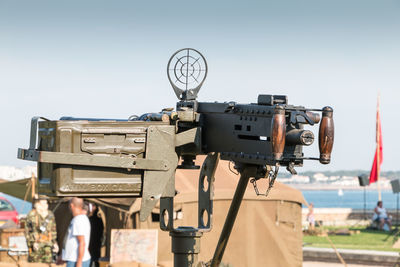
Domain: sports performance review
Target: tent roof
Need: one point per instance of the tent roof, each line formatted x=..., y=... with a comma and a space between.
x=17, y=188
x=186, y=183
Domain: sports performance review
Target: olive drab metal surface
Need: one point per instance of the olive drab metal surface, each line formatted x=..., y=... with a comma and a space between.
x=98, y=158
x=138, y=157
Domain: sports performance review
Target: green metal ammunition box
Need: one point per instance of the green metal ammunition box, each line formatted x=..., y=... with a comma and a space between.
x=92, y=143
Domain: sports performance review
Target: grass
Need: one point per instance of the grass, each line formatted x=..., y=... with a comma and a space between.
x=366, y=239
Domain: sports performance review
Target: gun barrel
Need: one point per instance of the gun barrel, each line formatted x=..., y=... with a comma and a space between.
x=299, y=137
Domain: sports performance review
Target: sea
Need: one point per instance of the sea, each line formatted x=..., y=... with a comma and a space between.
x=349, y=198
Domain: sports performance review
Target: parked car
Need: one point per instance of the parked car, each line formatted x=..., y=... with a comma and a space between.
x=7, y=211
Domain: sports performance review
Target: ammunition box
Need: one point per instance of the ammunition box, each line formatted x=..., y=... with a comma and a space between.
x=121, y=140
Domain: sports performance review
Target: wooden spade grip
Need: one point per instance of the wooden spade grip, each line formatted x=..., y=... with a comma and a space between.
x=278, y=132
x=326, y=135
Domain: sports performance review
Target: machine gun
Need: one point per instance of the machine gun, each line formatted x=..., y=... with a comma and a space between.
x=138, y=157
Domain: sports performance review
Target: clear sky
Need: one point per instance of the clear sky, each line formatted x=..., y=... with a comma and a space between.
x=108, y=59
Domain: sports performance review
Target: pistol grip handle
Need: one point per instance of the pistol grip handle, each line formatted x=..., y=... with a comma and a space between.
x=326, y=135
x=278, y=132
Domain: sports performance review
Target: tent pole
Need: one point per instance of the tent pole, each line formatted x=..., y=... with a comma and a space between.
x=33, y=185
x=247, y=172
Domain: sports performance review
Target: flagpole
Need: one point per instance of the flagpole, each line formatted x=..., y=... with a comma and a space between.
x=378, y=148
x=378, y=169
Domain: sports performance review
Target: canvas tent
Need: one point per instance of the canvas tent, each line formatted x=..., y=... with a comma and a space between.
x=267, y=232
x=19, y=188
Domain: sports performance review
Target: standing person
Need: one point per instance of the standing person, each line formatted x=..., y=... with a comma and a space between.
x=381, y=216
x=310, y=216
x=40, y=232
x=96, y=234
x=75, y=252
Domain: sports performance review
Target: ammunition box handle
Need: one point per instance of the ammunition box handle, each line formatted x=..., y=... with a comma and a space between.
x=34, y=125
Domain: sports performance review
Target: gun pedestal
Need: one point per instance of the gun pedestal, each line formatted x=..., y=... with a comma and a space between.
x=186, y=246
x=245, y=173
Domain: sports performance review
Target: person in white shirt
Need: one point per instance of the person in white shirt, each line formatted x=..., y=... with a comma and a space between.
x=75, y=252
x=381, y=216
x=310, y=216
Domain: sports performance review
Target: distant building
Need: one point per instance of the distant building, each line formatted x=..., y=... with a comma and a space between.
x=12, y=173
x=295, y=179
x=320, y=177
x=300, y=179
x=334, y=178
x=346, y=182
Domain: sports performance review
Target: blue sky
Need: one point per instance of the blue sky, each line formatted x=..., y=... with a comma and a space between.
x=108, y=59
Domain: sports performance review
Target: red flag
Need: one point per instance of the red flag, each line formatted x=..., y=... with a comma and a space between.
x=373, y=177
